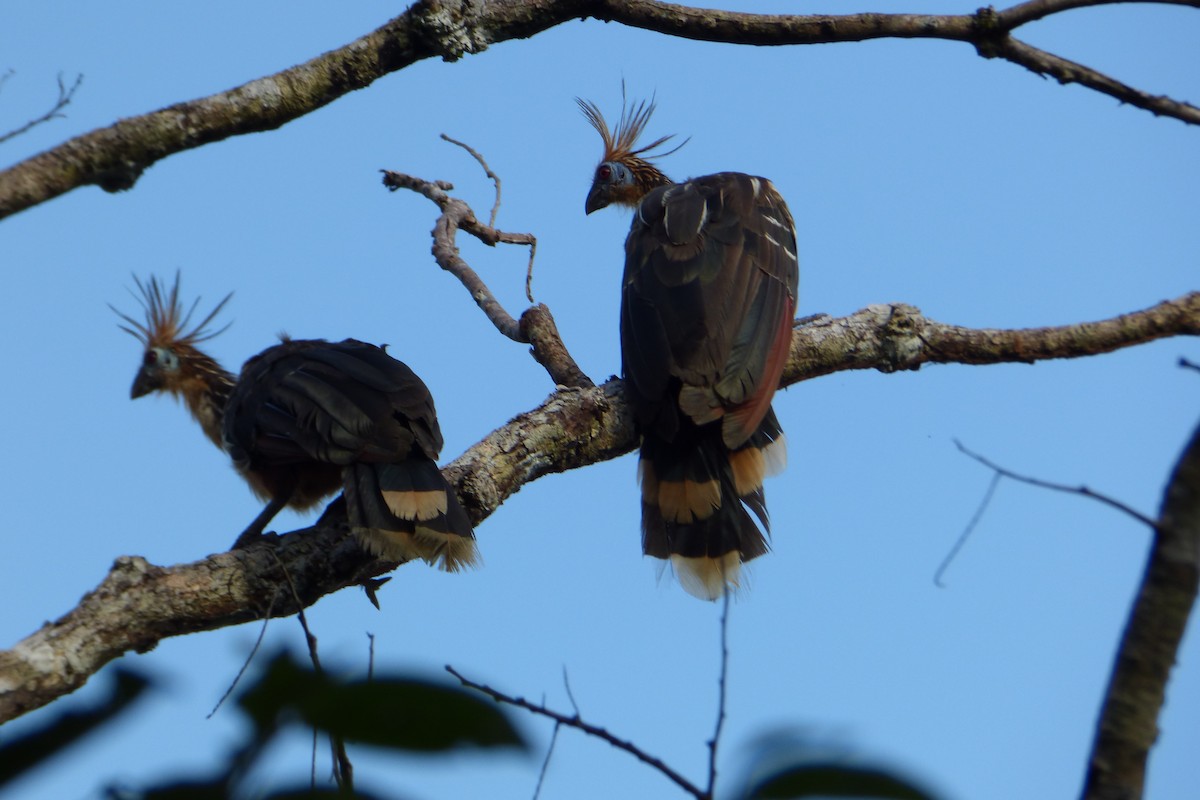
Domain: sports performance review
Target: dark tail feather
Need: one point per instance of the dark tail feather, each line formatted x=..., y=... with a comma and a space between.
x=703, y=506
x=407, y=510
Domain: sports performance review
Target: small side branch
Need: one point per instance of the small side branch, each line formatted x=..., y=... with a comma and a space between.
x=722, y=687
x=536, y=326
x=65, y=95
x=588, y=728
x=1083, y=491
x=1065, y=71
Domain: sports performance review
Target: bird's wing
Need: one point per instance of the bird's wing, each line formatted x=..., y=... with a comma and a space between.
x=332, y=402
x=709, y=293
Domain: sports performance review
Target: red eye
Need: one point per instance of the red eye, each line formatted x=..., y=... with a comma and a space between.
x=151, y=357
x=604, y=172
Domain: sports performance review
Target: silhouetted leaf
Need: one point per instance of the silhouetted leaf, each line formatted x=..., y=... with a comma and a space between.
x=186, y=790
x=327, y=794
x=834, y=780
x=399, y=712
x=33, y=747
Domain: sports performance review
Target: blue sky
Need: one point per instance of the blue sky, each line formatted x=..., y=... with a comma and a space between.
x=916, y=171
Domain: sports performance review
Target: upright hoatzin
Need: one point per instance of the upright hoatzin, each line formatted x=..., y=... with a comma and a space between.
x=706, y=315
x=308, y=417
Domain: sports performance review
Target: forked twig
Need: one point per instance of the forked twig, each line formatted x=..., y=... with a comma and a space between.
x=536, y=326
x=967, y=531
x=1059, y=487
x=343, y=769
x=591, y=730
x=65, y=95
x=496, y=210
x=487, y=170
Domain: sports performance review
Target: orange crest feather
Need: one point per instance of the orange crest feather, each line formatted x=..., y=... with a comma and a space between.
x=167, y=324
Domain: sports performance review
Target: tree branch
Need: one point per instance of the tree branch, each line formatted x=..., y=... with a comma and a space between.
x=1128, y=724
x=591, y=730
x=898, y=337
x=65, y=95
x=138, y=604
x=536, y=327
x=115, y=157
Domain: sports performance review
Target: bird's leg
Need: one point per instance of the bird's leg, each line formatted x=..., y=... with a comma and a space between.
x=254, y=532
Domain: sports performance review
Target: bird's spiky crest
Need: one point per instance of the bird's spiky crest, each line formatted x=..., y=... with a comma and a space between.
x=620, y=144
x=167, y=324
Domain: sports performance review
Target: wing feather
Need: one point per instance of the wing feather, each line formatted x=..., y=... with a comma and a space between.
x=710, y=287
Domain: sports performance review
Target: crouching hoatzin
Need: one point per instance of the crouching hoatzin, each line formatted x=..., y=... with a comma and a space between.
x=707, y=301
x=307, y=418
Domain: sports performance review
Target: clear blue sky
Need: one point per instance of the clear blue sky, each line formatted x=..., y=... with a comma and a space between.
x=916, y=171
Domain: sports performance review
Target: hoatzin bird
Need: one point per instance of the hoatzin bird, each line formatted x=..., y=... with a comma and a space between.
x=707, y=301
x=307, y=418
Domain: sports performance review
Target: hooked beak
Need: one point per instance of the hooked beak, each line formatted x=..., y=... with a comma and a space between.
x=143, y=384
x=597, y=199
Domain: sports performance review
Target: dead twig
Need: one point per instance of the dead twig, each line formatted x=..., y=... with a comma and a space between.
x=1059, y=487
x=536, y=326
x=65, y=95
x=343, y=770
x=591, y=730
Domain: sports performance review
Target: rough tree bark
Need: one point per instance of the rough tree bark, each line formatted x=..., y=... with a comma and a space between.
x=139, y=604
x=113, y=158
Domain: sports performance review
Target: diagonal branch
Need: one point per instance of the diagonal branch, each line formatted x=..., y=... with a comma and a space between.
x=138, y=604
x=1064, y=71
x=1081, y=490
x=591, y=730
x=114, y=157
x=1128, y=724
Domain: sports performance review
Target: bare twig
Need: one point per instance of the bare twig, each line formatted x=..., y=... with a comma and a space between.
x=570, y=694
x=1059, y=487
x=457, y=214
x=537, y=327
x=588, y=728
x=1183, y=362
x=487, y=171
x=262, y=632
x=1128, y=724
x=496, y=210
x=722, y=685
x=537, y=790
x=343, y=770
x=1065, y=71
x=966, y=532
x=65, y=94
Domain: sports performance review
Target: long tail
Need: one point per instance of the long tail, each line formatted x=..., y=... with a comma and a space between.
x=407, y=510
x=697, y=500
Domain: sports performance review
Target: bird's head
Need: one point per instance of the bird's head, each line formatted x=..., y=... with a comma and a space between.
x=168, y=337
x=624, y=175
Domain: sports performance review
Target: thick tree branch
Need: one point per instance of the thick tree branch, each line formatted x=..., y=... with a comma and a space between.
x=1128, y=724
x=898, y=337
x=115, y=157
x=139, y=604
